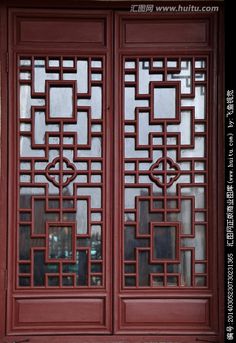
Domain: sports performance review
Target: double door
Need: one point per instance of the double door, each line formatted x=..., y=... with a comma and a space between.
x=113, y=137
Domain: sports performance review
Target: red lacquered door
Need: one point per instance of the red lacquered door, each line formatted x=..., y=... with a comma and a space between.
x=167, y=126
x=114, y=198
x=59, y=250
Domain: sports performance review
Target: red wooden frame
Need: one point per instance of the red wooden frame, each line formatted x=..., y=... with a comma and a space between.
x=125, y=47
x=215, y=131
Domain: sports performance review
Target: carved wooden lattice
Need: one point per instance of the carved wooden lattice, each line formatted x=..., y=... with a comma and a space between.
x=165, y=172
x=61, y=160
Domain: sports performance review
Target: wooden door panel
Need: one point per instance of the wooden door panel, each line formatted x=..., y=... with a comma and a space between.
x=59, y=166
x=113, y=133
x=66, y=313
x=160, y=313
x=166, y=218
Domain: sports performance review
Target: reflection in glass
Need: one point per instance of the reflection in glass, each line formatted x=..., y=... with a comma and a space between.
x=184, y=127
x=96, y=267
x=95, y=194
x=46, y=254
x=40, y=76
x=145, y=77
x=199, y=102
x=60, y=242
x=96, y=216
x=95, y=102
x=94, y=151
x=41, y=216
x=81, y=76
x=68, y=63
x=184, y=76
x=164, y=238
x=145, y=217
x=96, y=64
x=82, y=217
x=197, y=151
x=26, y=102
x=199, y=242
x=80, y=127
x=130, y=281
x=67, y=281
x=24, y=281
x=158, y=281
x=40, y=268
x=179, y=137
x=164, y=102
x=25, y=62
x=145, y=268
x=53, y=280
x=96, y=247
x=198, y=193
x=80, y=268
x=200, y=268
x=172, y=281
x=186, y=268
x=131, y=103
x=184, y=216
x=25, y=76
x=131, y=193
x=131, y=243
x=145, y=128
x=200, y=281
x=96, y=280
x=130, y=268
x=61, y=102
x=27, y=151
x=129, y=64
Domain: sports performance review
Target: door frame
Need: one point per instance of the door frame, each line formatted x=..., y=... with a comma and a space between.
x=123, y=7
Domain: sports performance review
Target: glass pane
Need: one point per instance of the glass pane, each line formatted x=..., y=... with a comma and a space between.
x=186, y=268
x=200, y=281
x=61, y=150
x=145, y=77
x=61, y=102
x=53, y=281
x=81, y=75
x=41, y=76
x=165, y=171
x=145, y=268
x=96, y=248
x=95, y=102
x=24, y=281
x=130, y=281
x=164, y=102
x=164, y=246
x=184, y=76
x=60, y=242
x=53, y=63
x=96, y=268
x=172, y=281
x=131, y=243
x=68, y=281
x=82, y=217
x=68, y=63
x=158, y=281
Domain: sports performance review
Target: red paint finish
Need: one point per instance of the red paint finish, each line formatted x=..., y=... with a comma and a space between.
x=159, y=177
x=151, y=32
x=98, y=245
x=61, y=155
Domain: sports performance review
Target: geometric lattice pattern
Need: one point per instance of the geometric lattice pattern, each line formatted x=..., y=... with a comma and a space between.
x=61, y=176
x=165, y=172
